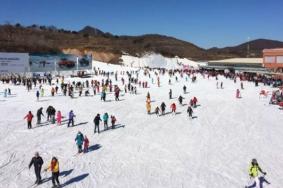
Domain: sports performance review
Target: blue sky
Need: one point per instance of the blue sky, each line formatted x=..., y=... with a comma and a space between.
x=206, y=23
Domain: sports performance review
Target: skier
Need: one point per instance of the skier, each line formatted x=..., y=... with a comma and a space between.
x=79, y=141
x=96, y=121
x=148, y=107
x=59, y=118
x=38, y=115
x=180, y=99
x=238, y=95
x=242, y=85
x=37, y=162
x=173, y=108
x=221, y=85
x=195, y=100
x=113, y=121
x=170, y=94
x=157, y=111
x=51, y=114
x=29, y=117
x=86, y=144
x=54, y=168
x=254, y=174
x=185, y=89
x=71, y=118
x=105, y=120
x=37, y=95
x=190, y=111
x=163, y=106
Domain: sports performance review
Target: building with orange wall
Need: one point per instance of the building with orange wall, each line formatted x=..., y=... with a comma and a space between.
x=273, y=59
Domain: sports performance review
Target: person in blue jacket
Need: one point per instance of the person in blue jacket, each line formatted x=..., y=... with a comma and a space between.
x=71, y=118
x=105, y=120
x=79, y=141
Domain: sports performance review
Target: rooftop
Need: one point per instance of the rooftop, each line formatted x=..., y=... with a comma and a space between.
x=239, y=61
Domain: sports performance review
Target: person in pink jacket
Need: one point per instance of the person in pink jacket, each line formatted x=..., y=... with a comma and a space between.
x=59, y=117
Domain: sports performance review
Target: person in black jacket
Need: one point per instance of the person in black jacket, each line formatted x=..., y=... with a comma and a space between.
x=51, y=114
x=38, y=115
x=37, y=162
x=96, y=121
x=163, y=106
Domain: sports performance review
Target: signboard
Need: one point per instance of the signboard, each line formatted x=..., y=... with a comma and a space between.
x=14, y=62
x=59, y=62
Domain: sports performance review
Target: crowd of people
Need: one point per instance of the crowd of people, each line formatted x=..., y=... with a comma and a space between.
x=130, y=81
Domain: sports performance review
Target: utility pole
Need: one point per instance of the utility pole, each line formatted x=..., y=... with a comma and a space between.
x=248, y=47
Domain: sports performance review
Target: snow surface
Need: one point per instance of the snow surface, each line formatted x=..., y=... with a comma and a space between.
x=157, y=61
x=211, y=151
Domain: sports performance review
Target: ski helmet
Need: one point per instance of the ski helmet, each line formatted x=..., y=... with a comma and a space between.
x=254, y=161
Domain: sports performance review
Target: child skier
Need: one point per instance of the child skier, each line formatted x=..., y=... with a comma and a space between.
x=113, y=121
x=157, y=111
x=59, y=117
x=86, y=144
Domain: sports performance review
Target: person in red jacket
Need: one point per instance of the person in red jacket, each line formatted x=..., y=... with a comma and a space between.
x=173, y=107
x=29, y=117
x=86, y=144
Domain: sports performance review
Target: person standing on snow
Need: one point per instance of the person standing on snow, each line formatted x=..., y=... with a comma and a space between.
x=37, y=95
x=180, y=99
x=59, y=117
x=79, y=141
x=185, y=89
x=29, y=117
x=105, y=120
x=96, y=122
x=254, y=174
x=163, y=106
x=113, y=121
x=54, y=168
x=170, y=94
x=37, y=162
x=86, y=144
x=157, y=111
x=173, y=108
x=190, y=111
x=38, y=115
x=71, y=118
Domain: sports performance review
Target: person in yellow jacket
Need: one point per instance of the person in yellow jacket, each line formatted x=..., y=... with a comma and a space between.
x=148, y=107
x=254, y=174
x=54, y=168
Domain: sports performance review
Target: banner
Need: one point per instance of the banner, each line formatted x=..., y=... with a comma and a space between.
x=59, y=62
x=14, y=62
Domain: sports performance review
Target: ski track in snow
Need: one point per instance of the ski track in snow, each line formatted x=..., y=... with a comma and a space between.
x=210, y=151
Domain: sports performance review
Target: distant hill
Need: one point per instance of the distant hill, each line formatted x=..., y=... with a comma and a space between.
x=255, y=48
x=108, y=47
x=91, y=31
